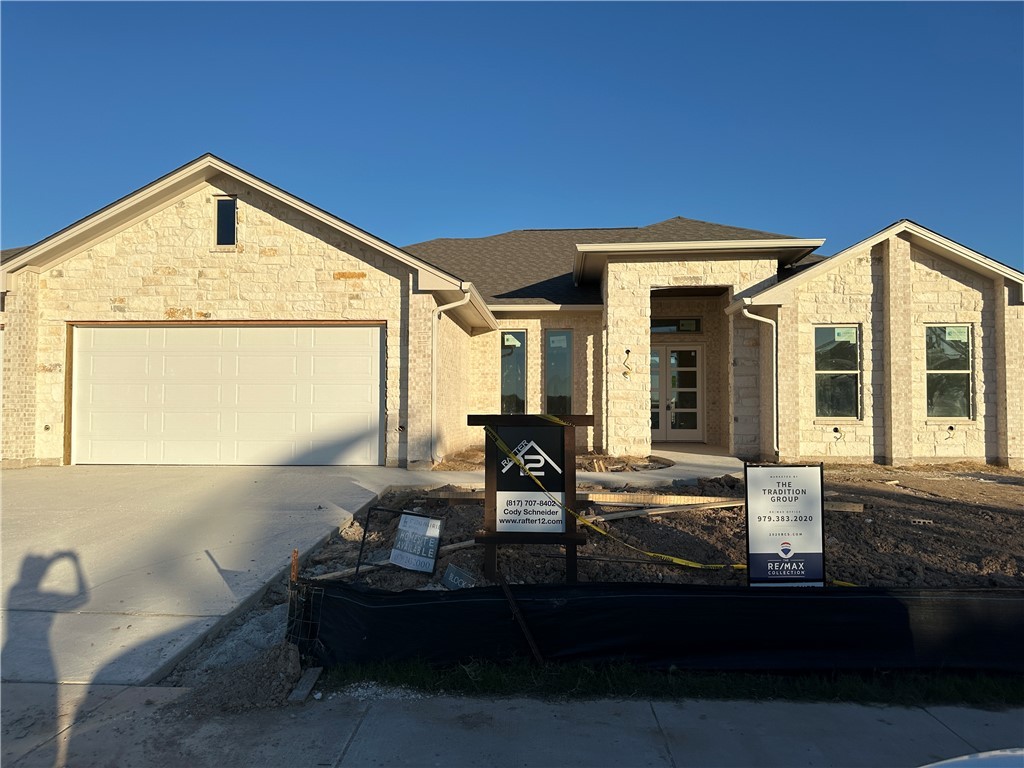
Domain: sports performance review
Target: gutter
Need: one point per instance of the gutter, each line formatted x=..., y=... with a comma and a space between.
x=435, y=317
x=775, y=369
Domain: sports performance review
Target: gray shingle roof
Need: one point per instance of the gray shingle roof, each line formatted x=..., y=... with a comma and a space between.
x=530, y=266
x=9, y=253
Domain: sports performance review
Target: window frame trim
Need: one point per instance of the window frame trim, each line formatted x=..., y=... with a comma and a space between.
x=526, y=368
x=971, y=378
x=859, y=372
x=572, y=367
x=217, y=200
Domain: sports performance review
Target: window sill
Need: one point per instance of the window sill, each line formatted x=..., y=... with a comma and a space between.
x=224, y=249
x=936, y=421
x=826, y=420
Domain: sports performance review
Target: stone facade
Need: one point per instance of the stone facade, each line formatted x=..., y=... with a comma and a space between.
x=891, y=292
x=165, y=268
x=627, y=288
x=290, y=267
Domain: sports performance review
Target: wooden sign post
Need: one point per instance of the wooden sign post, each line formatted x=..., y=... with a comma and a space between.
x=529, y=481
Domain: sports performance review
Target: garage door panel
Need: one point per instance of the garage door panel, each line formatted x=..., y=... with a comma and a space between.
x=228, y=395
x=355, y=365
x=193, y=337
x=191, y=366
x=261, y=338
x=263, y=422
x=121, y=395
x=267, y=366
x=120, y=367
x=110, y=451
x=119, y=339
x=190, y=394
x=344, y=397
x=118, y=422
x=266, y=394
x=191, y=423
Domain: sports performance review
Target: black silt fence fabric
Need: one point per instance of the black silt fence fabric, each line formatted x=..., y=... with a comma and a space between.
x=663, y=625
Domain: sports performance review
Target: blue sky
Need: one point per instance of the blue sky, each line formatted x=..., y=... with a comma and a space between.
x=416, y=121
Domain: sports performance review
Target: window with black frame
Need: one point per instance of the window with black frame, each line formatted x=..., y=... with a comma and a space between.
x=948, y=371
x=226, y=220
x=558, y=373
x=513, y=372
x=837, y=371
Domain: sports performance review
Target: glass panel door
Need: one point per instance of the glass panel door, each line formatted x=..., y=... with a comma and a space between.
x=657, y=396
x=677, y=398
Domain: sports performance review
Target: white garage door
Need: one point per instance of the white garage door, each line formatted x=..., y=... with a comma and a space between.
x=227, y=395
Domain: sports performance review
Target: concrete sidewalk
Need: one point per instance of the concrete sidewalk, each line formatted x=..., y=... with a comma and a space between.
x=122, y=726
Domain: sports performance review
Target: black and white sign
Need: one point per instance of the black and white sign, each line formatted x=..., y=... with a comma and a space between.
x=416, y=543
x=525, y=504
x=785, y=507
x=456, y=578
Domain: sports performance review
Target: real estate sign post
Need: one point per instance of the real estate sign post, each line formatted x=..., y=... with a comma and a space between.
x=530, y=478
x=785, y=506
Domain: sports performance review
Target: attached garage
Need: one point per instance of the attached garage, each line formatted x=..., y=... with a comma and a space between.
x=219, y=394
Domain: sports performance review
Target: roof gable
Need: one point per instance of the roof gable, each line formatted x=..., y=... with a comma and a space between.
x=784, y=292
x=182, y=182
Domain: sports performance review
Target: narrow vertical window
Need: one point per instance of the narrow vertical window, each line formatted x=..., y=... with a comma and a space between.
x=513, y=372
x=558, y=373
x=837, y=371
x=949, y=371
x=226, y=220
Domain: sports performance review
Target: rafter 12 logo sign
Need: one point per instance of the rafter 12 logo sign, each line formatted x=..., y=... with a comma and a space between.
x=531, y=486
x=532, y=460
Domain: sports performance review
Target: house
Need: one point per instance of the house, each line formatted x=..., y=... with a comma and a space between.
x=212, y=318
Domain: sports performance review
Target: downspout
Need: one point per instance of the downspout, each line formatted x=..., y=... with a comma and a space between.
x=775, y=369
x=435, y=318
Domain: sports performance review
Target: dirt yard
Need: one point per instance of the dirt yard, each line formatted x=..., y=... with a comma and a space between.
x=958, y=526
x=955, y=527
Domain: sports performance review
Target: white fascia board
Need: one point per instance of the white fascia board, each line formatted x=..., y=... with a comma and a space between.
x=698, y=247
x=962, y=254
x=486, y=316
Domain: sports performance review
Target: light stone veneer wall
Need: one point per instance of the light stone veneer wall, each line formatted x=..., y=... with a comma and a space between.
x=627, y=290
x=891, y=292
x=944, y=293
x=455, y=390
x=847, y=296
x=166, y=267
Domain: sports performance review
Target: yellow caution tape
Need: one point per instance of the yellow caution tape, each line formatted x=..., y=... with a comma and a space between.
x=503, y=447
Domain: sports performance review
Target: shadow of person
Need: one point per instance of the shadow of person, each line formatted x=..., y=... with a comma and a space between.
x=31, y=608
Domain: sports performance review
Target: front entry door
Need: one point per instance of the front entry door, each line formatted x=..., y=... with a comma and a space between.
x=677, y=397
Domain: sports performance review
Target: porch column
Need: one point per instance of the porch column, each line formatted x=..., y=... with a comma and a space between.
x=627, y=362
x=898, y=341
x=744, y=387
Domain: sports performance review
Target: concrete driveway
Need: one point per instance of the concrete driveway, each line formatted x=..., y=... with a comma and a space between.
x=111, y=574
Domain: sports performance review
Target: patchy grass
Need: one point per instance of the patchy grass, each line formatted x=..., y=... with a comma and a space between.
x=522, y=678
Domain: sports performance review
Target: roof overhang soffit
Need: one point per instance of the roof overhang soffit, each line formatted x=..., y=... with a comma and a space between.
x=591, y=259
